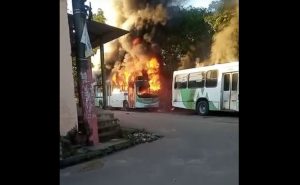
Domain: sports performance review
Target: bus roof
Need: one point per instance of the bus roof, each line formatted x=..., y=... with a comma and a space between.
x=224, y=66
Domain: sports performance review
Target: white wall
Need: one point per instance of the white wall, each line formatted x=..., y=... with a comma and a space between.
x=68, y=112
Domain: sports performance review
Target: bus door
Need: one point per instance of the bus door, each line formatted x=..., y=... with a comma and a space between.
x=230, y=93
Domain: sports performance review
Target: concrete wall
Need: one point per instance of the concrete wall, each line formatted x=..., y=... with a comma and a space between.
x=68, y=112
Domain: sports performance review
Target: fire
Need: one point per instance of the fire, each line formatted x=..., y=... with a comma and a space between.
x=153, y=74
x=126, y=74
x=114, y=78
x=136, y=63
x=150, y=69
x=120, y=81
x=116, y=91
x=136, y=41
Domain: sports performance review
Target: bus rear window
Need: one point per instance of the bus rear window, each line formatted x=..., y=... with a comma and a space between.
x=180, y=82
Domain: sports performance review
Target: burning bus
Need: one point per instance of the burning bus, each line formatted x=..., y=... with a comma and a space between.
x=132, y=87
x=137, y=95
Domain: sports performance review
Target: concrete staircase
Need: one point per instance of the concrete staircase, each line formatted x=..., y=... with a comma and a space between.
x=108, y=125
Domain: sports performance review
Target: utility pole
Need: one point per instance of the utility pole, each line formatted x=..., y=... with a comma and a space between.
x=84, y=71
x=103, y=75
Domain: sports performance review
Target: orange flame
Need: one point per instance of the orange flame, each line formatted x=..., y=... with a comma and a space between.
x=124, y=76
x=153, y=74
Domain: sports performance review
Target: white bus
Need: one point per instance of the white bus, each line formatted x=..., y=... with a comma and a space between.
x=137, y=95
x=209, y=88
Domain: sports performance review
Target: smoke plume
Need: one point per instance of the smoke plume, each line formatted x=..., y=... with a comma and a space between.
x=225, y=47
x=132, y=52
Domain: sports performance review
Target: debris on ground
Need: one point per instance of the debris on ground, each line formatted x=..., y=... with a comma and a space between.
x=141, y=136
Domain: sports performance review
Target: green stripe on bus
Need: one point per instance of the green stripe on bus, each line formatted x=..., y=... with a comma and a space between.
x=187, y=96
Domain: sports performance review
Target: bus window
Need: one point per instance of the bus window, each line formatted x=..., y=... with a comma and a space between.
x=234, y=81
x=180, y=81
x=196, y=80
x=226, y=82
x=176, y=83
x=211, y=78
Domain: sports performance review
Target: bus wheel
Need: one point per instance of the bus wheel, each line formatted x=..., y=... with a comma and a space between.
x=202, y=108
x=125, y=105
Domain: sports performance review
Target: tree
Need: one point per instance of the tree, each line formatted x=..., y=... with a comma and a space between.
x=187, y=36
x=222, y=12
x=224, y=22
x=99, y=16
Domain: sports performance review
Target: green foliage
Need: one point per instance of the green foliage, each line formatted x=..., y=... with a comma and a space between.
x=99, y=16
x=191, y=32
x=224, y=22
x=219, y=20
x=222, y=12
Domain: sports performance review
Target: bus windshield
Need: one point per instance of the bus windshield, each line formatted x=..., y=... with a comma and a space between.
x=143, y=89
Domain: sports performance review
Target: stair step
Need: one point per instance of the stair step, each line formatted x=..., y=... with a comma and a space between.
x=107, y=121
x=102, y=120
x=101, y=117
x=109, y=133
x=101, y=128
x=105, y=124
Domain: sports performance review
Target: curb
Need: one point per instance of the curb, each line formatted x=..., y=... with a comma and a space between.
x=93, y=154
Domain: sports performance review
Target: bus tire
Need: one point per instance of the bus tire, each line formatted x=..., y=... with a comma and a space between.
x=125, y=105
x=202, y=108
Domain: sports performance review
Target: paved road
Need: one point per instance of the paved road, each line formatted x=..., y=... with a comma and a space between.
x=195, y=151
